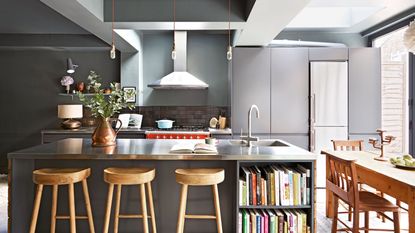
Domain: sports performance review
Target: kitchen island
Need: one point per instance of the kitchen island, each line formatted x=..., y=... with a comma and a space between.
x=145, y=153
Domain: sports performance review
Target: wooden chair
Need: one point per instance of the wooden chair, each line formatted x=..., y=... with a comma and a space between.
x=199, y=177
x=141, y=177
x=56, y=177
x=342, y=181
x=348, y=145
x=353, y=145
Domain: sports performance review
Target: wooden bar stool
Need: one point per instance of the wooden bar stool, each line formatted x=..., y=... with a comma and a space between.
x=56, y=177
x=199, y=177
x=130, y=176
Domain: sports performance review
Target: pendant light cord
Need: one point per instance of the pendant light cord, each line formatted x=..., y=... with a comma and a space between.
x=113, y=16
x=174, y=23
x=229, y=22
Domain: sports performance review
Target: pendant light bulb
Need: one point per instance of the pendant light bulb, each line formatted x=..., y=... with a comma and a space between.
x=229, y=53
x=173, y=53
x=112, y=52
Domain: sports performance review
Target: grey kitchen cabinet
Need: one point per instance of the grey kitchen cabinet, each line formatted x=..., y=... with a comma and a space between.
x=364, y=90
x=289, y=90
x=251, y=85
x=328, y=54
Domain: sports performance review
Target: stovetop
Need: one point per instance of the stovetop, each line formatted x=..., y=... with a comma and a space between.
x=197, y=128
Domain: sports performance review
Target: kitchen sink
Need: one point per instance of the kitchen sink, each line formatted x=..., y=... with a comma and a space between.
x=260, y=143
x=268, y=143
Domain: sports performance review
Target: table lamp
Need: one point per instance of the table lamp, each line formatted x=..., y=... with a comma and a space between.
x=69, y=112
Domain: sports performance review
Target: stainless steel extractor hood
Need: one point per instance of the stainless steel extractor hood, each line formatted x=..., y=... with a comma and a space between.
x=179, y=78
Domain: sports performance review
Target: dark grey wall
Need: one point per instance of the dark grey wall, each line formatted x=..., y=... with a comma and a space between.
x=30, y=85
x=349, y=39
x=206, y=59
x=186, y=10
x=34, y=17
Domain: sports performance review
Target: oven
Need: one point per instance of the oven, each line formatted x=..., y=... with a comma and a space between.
x=180, y=132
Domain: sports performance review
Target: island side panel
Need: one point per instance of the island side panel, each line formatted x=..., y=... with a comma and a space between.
x=22, y=195
x=165, y=192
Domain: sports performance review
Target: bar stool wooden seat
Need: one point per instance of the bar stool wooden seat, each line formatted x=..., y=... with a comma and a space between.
x=130, y=176
x=199, y=177
x=56, y=177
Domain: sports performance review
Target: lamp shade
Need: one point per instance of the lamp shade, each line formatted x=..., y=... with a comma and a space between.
x=67, y=111
x=70, y=66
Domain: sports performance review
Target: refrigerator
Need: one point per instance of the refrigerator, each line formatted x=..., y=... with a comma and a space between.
x=328, y=109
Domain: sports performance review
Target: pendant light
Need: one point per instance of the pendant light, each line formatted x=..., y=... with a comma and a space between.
x=229, y=52
x=112, y=51
x=173, y=51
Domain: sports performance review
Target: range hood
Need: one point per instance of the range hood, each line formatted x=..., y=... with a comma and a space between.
x=179, y=78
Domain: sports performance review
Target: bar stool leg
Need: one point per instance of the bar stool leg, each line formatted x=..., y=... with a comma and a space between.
x=88, y=207
x=36, y=206
x=144, y=207
x=151, y=203
x=108, y=210
x=217, y=207
x=54, y=207
x=117, y=208
x=182, y=209
x=72, y=218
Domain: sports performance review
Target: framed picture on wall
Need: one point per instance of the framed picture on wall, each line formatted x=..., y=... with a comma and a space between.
x=133, y=98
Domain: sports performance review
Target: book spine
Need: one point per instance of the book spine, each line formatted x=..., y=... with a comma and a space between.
x=254, y=189
x=239, y=222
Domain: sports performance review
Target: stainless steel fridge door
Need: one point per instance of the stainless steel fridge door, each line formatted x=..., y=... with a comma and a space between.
x=321, y=139
x=329, y=105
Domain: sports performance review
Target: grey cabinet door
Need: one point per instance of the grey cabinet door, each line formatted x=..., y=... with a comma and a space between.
x=289, y=90
x=364, y=90
x=328, y=54
x=251, y=85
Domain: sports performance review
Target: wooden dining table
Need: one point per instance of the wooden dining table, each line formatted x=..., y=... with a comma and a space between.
x=382, y=176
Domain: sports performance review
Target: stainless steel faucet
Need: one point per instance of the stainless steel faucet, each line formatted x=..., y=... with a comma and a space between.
x=249, y=138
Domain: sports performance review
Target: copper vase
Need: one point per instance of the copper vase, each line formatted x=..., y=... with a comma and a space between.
x=104, y=134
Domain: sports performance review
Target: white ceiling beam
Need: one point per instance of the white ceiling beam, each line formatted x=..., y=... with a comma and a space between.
x=267, y=19
x=89, y=15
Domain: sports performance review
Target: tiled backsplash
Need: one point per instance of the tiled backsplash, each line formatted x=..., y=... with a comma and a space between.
x=183, y=116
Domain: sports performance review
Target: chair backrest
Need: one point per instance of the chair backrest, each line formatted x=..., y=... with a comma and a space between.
x=354, y=145
x=342, y=179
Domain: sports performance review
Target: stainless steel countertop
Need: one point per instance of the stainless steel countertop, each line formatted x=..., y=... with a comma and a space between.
x=146, y=149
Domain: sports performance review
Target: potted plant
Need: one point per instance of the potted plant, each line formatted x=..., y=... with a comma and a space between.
x=104, y=107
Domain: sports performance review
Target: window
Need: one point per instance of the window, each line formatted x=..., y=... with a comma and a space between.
x=395, y=114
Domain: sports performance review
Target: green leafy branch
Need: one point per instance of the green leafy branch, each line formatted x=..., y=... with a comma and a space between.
x=105, y=106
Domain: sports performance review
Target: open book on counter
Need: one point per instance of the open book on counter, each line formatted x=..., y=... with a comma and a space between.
x=198, y=148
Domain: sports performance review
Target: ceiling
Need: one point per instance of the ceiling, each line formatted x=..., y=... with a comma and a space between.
x=254, y=22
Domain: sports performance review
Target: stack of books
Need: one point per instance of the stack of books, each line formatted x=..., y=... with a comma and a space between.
x=274, y=185
x=272, y=221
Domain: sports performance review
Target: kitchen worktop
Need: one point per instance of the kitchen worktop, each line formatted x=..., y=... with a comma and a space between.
x=145, y=149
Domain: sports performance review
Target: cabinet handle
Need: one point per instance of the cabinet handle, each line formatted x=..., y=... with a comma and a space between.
x=314, y=108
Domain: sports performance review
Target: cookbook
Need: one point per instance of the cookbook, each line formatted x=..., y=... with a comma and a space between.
x=198, y=148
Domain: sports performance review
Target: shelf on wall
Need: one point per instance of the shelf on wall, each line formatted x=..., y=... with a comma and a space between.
x=76, y=94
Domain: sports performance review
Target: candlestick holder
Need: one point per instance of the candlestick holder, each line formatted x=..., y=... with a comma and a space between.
x=384, y=141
